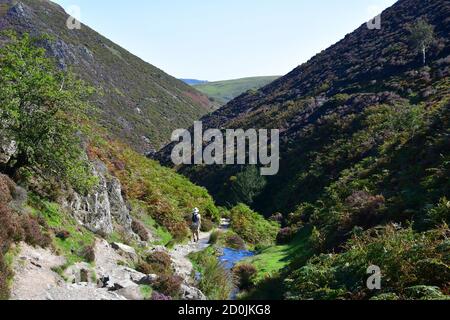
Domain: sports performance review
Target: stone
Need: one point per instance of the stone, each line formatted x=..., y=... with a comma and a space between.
x=8, y=149
x=131, y=293
x=126, y=251
x=103, y=205
x=192, y=294
x=148, y=280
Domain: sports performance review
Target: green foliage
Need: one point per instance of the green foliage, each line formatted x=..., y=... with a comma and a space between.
x=155, y=191
x=421, y=36
x=216, y=282
x=224, y=91
x=247, y=185
x=406, y=259
x=41, y=110
x=252, y=227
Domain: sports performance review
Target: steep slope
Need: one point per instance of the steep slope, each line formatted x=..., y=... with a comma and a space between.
x=225, y=91
x=318, y=103
x=139, y=103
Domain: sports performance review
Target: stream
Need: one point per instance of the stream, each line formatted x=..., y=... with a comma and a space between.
x=229, y=258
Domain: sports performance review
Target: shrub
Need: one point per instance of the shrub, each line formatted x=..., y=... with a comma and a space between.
x=216, y=282
x=88, y=253
x=156, y=296
x=252, y=227
x=407, y=259
x=285, y=235
x=63, y=234
x=234, y=241
x=157, y=262
x=207, y=225
x=140, y=230
x=169, y=285
x=244, y=274
x=214, y=238
x=32, y=232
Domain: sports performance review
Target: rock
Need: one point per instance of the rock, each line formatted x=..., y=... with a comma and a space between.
x=126, y=251
x=97, y=210
x=8, y=149
x=131, y=293
x=191, y=293
x=79, y=272
x=148, y=280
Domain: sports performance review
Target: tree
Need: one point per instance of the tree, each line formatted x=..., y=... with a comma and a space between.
x=41, y=109
x=247, y=185
x=421, y=37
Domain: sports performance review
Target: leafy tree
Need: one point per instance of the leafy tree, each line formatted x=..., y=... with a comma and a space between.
x=247, y=185
x=41, y=109
x=422, y=36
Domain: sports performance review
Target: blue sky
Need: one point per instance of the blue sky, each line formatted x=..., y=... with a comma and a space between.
x=226, y=39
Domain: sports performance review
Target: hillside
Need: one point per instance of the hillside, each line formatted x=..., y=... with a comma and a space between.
x=365, y=159
x=139, y=104
x=225, y=91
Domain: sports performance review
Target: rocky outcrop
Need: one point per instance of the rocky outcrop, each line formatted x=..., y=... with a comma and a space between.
x=8, y=149
x=105, y=205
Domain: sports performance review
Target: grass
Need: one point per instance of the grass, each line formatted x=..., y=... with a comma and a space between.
x=270, y=261
x=224, y=91
x=216, y=282
x=57, y=219
x=146, y=291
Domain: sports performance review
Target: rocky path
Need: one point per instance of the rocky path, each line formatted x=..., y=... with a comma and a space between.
x=183, y=266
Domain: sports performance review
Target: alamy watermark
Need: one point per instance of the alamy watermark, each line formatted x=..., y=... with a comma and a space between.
x=73, y=21
x=235, y=147
x=374, y=23
x=374, y=280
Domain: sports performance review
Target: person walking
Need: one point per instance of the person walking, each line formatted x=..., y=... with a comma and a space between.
x=196, y=224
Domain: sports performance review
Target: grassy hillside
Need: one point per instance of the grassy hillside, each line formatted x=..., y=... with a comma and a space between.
x=138, y=103
x=364, y=162
x=224, y=91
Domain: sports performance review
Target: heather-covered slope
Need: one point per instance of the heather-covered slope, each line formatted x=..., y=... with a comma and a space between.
x=364, y=171
x=367, y=68
x=138, y=103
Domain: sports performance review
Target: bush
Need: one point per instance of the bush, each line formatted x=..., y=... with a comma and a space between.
x=169, y=285
x=158, y=263
x=88, y=253
x=406, y=258
x=285, y=235
x=214, y=238
x=244, y=274
x=156, y=296
x=63, y=234
x=233, y=241
x=207, y=225
x=140, y=230
x=252, y=227
x=216, y=282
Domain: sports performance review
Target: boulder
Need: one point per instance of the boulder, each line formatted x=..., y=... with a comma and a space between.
x=131, y=293
x=8, y=149
x=148, y=280
x=126, y=251
x=192, y=294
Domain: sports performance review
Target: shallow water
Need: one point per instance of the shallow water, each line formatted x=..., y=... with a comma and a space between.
x=230, y=257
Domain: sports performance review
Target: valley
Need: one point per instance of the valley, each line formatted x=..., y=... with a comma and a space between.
x=93, y=207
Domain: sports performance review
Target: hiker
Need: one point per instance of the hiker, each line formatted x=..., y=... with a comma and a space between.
x=196, y=224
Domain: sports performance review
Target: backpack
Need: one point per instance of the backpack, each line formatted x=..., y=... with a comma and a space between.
x=195, y=218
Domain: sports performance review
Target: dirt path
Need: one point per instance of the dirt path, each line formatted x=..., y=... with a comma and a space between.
x=183, y=266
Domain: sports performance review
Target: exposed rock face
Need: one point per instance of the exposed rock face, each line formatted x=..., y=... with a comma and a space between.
x=105, y=204
x=8, y=148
